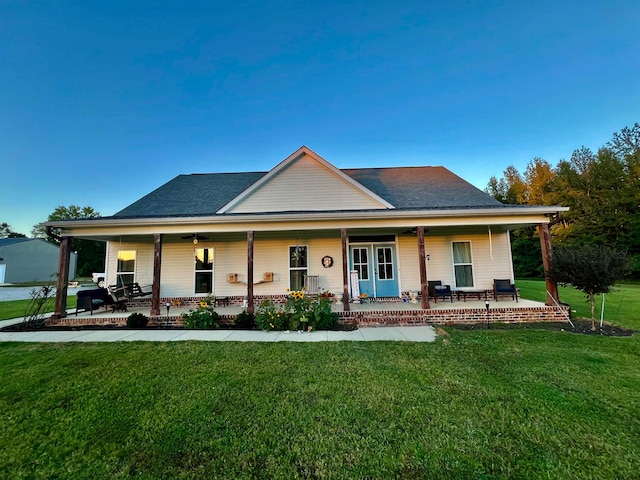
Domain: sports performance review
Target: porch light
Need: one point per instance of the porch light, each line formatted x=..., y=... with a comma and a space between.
x=486, y=304
x=168, y=305
x=195, y=240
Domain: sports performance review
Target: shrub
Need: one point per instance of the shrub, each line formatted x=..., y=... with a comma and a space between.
x=137, y=320
x=245, y=320
x=322, y=318
x=204, y=317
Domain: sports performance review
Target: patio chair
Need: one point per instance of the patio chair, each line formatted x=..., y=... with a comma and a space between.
x=90, y=300
x=438, y=290
x=504, y=287
x=311, y=284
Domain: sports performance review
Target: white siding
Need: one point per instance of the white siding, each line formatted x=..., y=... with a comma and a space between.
x=144, y=261
x=440, y=263
x=271, y=254
x=305, y=185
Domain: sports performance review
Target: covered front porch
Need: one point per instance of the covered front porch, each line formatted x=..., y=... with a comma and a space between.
x=165, y=262
x=378, y=313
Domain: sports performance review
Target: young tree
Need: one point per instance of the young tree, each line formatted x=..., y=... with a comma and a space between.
x=592, y=269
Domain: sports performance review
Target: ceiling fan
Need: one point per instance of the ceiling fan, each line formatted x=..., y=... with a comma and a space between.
x=195, y=238
x=412, y=231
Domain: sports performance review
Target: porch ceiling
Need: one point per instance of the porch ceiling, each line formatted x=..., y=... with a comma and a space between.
x=217, y=235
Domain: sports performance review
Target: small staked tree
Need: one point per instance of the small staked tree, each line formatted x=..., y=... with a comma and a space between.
x=592, y=269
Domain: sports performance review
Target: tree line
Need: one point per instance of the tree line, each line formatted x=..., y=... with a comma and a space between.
x=602, y=190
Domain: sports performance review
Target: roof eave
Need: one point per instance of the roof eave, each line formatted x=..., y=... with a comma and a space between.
x=306, y=216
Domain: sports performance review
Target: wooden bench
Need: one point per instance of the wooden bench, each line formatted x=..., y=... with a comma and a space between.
x=479, y=294
x=222, y=301
x=133, y=290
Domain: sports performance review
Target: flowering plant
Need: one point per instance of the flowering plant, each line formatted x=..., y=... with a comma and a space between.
x=204, y=316
x=300, y=312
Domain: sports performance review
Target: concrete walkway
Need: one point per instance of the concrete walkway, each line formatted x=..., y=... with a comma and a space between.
x=402, y=334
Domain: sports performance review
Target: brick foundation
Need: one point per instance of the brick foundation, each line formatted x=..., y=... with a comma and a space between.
x=363, y=318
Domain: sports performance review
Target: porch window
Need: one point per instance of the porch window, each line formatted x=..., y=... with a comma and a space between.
x=298, y=266
x=462, y=264
x=204, y=270
x=126, y=269
x=361, y=262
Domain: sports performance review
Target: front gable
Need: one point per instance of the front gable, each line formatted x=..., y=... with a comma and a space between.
x=305, y=182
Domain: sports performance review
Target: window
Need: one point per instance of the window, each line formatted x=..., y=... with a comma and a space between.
x=361, y=262
x=126, y=270
x=462, y=264
x=385, y=263
x=204, y=270
x=297, y=266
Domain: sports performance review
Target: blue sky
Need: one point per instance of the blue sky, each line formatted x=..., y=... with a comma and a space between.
x=102, y=102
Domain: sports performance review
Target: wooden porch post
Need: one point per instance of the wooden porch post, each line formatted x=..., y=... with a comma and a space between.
x=157, y=264
x=250, y=306
x=545, y=243
x=345, y=271
x=424, y=291
x=63, y=278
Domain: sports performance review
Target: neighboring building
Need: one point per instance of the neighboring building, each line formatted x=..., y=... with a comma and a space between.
x=24, y=260
x=255, y=235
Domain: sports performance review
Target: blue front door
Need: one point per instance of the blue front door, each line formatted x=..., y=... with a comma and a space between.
x=377, y=270
x=386, y=275
x=361, y=263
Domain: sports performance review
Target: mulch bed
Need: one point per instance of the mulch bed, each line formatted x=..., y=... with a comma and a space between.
x=582, y=326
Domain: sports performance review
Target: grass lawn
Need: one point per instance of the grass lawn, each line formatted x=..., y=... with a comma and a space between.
x=622, y=306
x=17, y=308
x=474, y=404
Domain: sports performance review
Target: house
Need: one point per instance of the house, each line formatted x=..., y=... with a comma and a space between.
x=24, y=260
x=382, y=232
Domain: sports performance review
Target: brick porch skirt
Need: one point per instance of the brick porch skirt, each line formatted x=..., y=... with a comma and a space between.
x=385, y=316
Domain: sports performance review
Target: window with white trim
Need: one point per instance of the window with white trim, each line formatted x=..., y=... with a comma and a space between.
x=203, y=270
x=462, y=264
x=298, y=266
x=126, y=268
x=360, y=257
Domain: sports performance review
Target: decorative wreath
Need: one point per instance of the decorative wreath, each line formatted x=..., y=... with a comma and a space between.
x=327, y=261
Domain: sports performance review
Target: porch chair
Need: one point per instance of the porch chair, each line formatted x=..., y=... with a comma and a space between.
x=311, y=284
x=504, y=287
x=438, y=290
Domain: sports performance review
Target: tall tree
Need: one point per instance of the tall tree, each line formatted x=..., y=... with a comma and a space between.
x=72, y=212
x=7, y=232
x=538, y=179
x=90, y=253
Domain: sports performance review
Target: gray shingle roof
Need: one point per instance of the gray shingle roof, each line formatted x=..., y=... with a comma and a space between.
x=403, y=187
x=191, y=195
x=422, y=187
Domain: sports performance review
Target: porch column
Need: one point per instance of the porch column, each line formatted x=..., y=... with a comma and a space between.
x=345, y=271
x=250, y=307
x=424, y=291
x=157, y=263
x=63, y=278
x=545, y=243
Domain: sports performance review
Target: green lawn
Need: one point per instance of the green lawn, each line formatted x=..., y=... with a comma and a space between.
x=622, y=306
x=475, y=404
x=17, y=308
